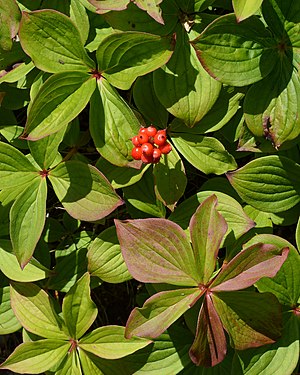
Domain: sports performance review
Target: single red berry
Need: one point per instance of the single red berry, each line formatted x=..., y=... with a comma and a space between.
x=135, y=141
x=165, y=148
x=160, y=137
x=156, y=153
x=146, y=158
x=151, y=131
x=136, y=153
x=143, y=131
x=143, y=138
x=147, y=149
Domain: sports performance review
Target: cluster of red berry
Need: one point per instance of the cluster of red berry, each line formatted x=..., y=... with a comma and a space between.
x=150, y=144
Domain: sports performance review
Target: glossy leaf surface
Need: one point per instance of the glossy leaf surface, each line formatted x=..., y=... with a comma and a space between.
x=36, y=357
x=53, y=42
x=35, y=311
x=28, y=210
x=269, y=183
x=236, y=54
x=83, y=190
x=109, y=342
x=79, y=311
x=105, y=258
x=62, y=97
x=122, y=57
x=112, y=124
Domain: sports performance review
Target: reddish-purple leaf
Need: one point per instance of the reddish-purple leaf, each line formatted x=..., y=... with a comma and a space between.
x=207, y=229
x=251, y=319
x=157, y=251
x=209, y=346
x=248, y=266
x=160, y=311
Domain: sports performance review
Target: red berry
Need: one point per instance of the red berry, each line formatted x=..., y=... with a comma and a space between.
x=146, y=158
x=151, y=131
x=136, y=153
x=156, y=153
x=143, y=131
x=143, y=138
x=166, y=148
x=160, y=137
x=135, y=141
x=147, y=149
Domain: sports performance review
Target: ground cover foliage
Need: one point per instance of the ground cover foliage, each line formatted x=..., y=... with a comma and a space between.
x=186, y=265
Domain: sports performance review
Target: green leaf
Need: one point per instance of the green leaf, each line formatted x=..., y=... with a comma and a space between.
x=45, y=150
x=27, y=212
x=141, y=195
x=122, y=57
x=238, y=222
x=283, y=18
x=168, y=354
x=27, y=219
x=251, y=319
x=68, y=269
x=244, y=9
x=297, y=234
x=147, y=102
x=9, y=23
x=286, y=284
x=79, y=311
x=250, y=265
x=34, y=309
x=87, y=365
x=135, y=19
x=120, y=177
x=269, y=183
x=71, y=261
x=71, y=365
x=160, y=311
x=79, y=16
x=83, y=190
x=237, y=54
x=105, y=258
x=220, y=114
x=53, y=42
x=205, y=153
x=15, y=168
x=110, y=342
x=183, y=86
x=170, y=179
x=8, y=321
x=157, y=250
x=18, y=72
x=207, y=229
x=36, y=357
x=209, y=346
x=60, y=99
x=152, y=8
x=10, y=266
x=112, y=124
x=266, y=360
x=274, y=115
